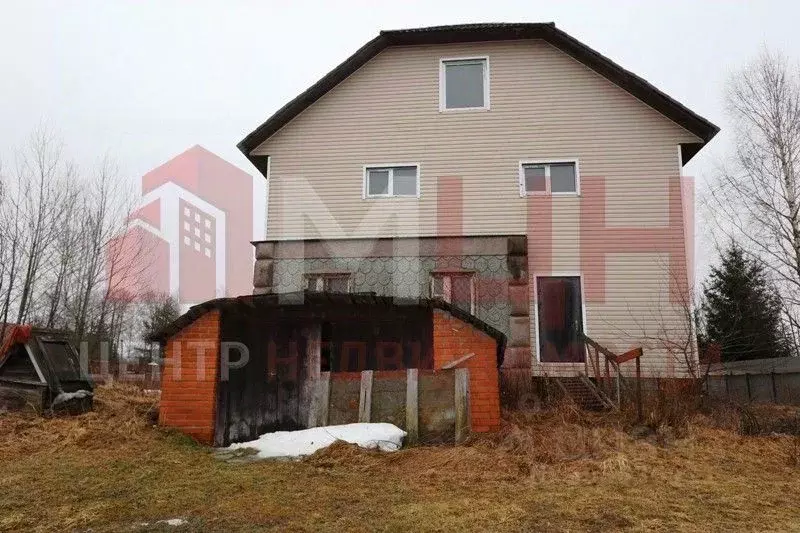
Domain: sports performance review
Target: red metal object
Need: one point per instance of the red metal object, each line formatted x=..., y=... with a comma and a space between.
x=15, y=334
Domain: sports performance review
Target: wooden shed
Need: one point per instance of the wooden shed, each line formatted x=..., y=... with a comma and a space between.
x=236, y=368
x=40, y=369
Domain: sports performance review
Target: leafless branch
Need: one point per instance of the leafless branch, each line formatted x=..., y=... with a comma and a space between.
x=755, y=198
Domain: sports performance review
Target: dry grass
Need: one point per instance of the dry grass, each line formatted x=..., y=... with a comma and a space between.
x=562, y=470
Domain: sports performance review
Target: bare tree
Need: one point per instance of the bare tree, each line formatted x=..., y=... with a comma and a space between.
x=15, y=237
x=670, y=326
x=105, y=218
x=65, y=261
x=58, y=233
x=756, y=197
x=5, y=257
x=39, y=204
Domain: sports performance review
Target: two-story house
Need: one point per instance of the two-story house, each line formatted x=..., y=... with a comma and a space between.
x=507, y=168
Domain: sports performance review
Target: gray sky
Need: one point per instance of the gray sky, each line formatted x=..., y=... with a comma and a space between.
x=144, y=80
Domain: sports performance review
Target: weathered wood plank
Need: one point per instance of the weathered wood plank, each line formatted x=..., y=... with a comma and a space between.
x=463, y=418
x=365, y=397
x=412, y=405
x=627, y=356
x=453, y=364
x=322, y=397
x=309, y=374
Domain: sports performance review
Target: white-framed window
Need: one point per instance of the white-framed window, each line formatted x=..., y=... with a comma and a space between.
x=391, y=181
x=557, y=177
x=457, y=288
x=464, y=83
x=328, y=282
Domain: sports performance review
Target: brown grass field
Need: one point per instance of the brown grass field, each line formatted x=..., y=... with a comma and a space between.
x=564, y=470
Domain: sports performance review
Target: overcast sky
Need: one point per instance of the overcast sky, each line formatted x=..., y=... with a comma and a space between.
x=143, y=81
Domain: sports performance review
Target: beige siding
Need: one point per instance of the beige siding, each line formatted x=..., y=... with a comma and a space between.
x=544, y=105
x=637, y=312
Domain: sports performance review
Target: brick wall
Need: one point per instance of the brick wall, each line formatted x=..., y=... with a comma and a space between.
x=453, y=339
x=189, y=379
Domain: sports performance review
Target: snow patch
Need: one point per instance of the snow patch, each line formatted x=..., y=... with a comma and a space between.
x=385, y=437
x=67, y=396
x=172, y=522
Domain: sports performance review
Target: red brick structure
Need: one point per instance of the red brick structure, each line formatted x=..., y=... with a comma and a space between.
x=189, y=379
x=453, y=339
x=203, y=397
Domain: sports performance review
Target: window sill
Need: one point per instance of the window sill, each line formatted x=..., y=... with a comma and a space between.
x=551, y=195
x=390, y=198
x=463, y=109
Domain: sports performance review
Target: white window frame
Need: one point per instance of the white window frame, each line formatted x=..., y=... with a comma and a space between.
x=390, y=167
x=442, y=83
x=546, y=164
x=534, y=303
x=447, y=287
x=320, y=277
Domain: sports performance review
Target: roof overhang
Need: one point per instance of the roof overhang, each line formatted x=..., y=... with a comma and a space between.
x=251, y=303
x=638, y=87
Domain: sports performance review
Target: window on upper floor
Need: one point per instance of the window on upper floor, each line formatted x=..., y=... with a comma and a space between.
x=548, y=177
x=457, y=288
x=464, y=84
x=333, y=282
x=391, y=181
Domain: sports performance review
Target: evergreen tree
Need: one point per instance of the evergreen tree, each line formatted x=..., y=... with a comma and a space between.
x=161, y=311
x=743, y=310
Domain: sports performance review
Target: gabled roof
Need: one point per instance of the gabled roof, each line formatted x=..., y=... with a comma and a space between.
x=249, y=303
x=464, y=33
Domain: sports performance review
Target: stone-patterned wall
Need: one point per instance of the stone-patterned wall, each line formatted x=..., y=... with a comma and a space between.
x=403, y=267
x=408, y=277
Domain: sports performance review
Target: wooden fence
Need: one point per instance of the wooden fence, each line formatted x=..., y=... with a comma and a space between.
x=432, y=406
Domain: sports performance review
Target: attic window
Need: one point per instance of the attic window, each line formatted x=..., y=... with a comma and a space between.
x=464, y=84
